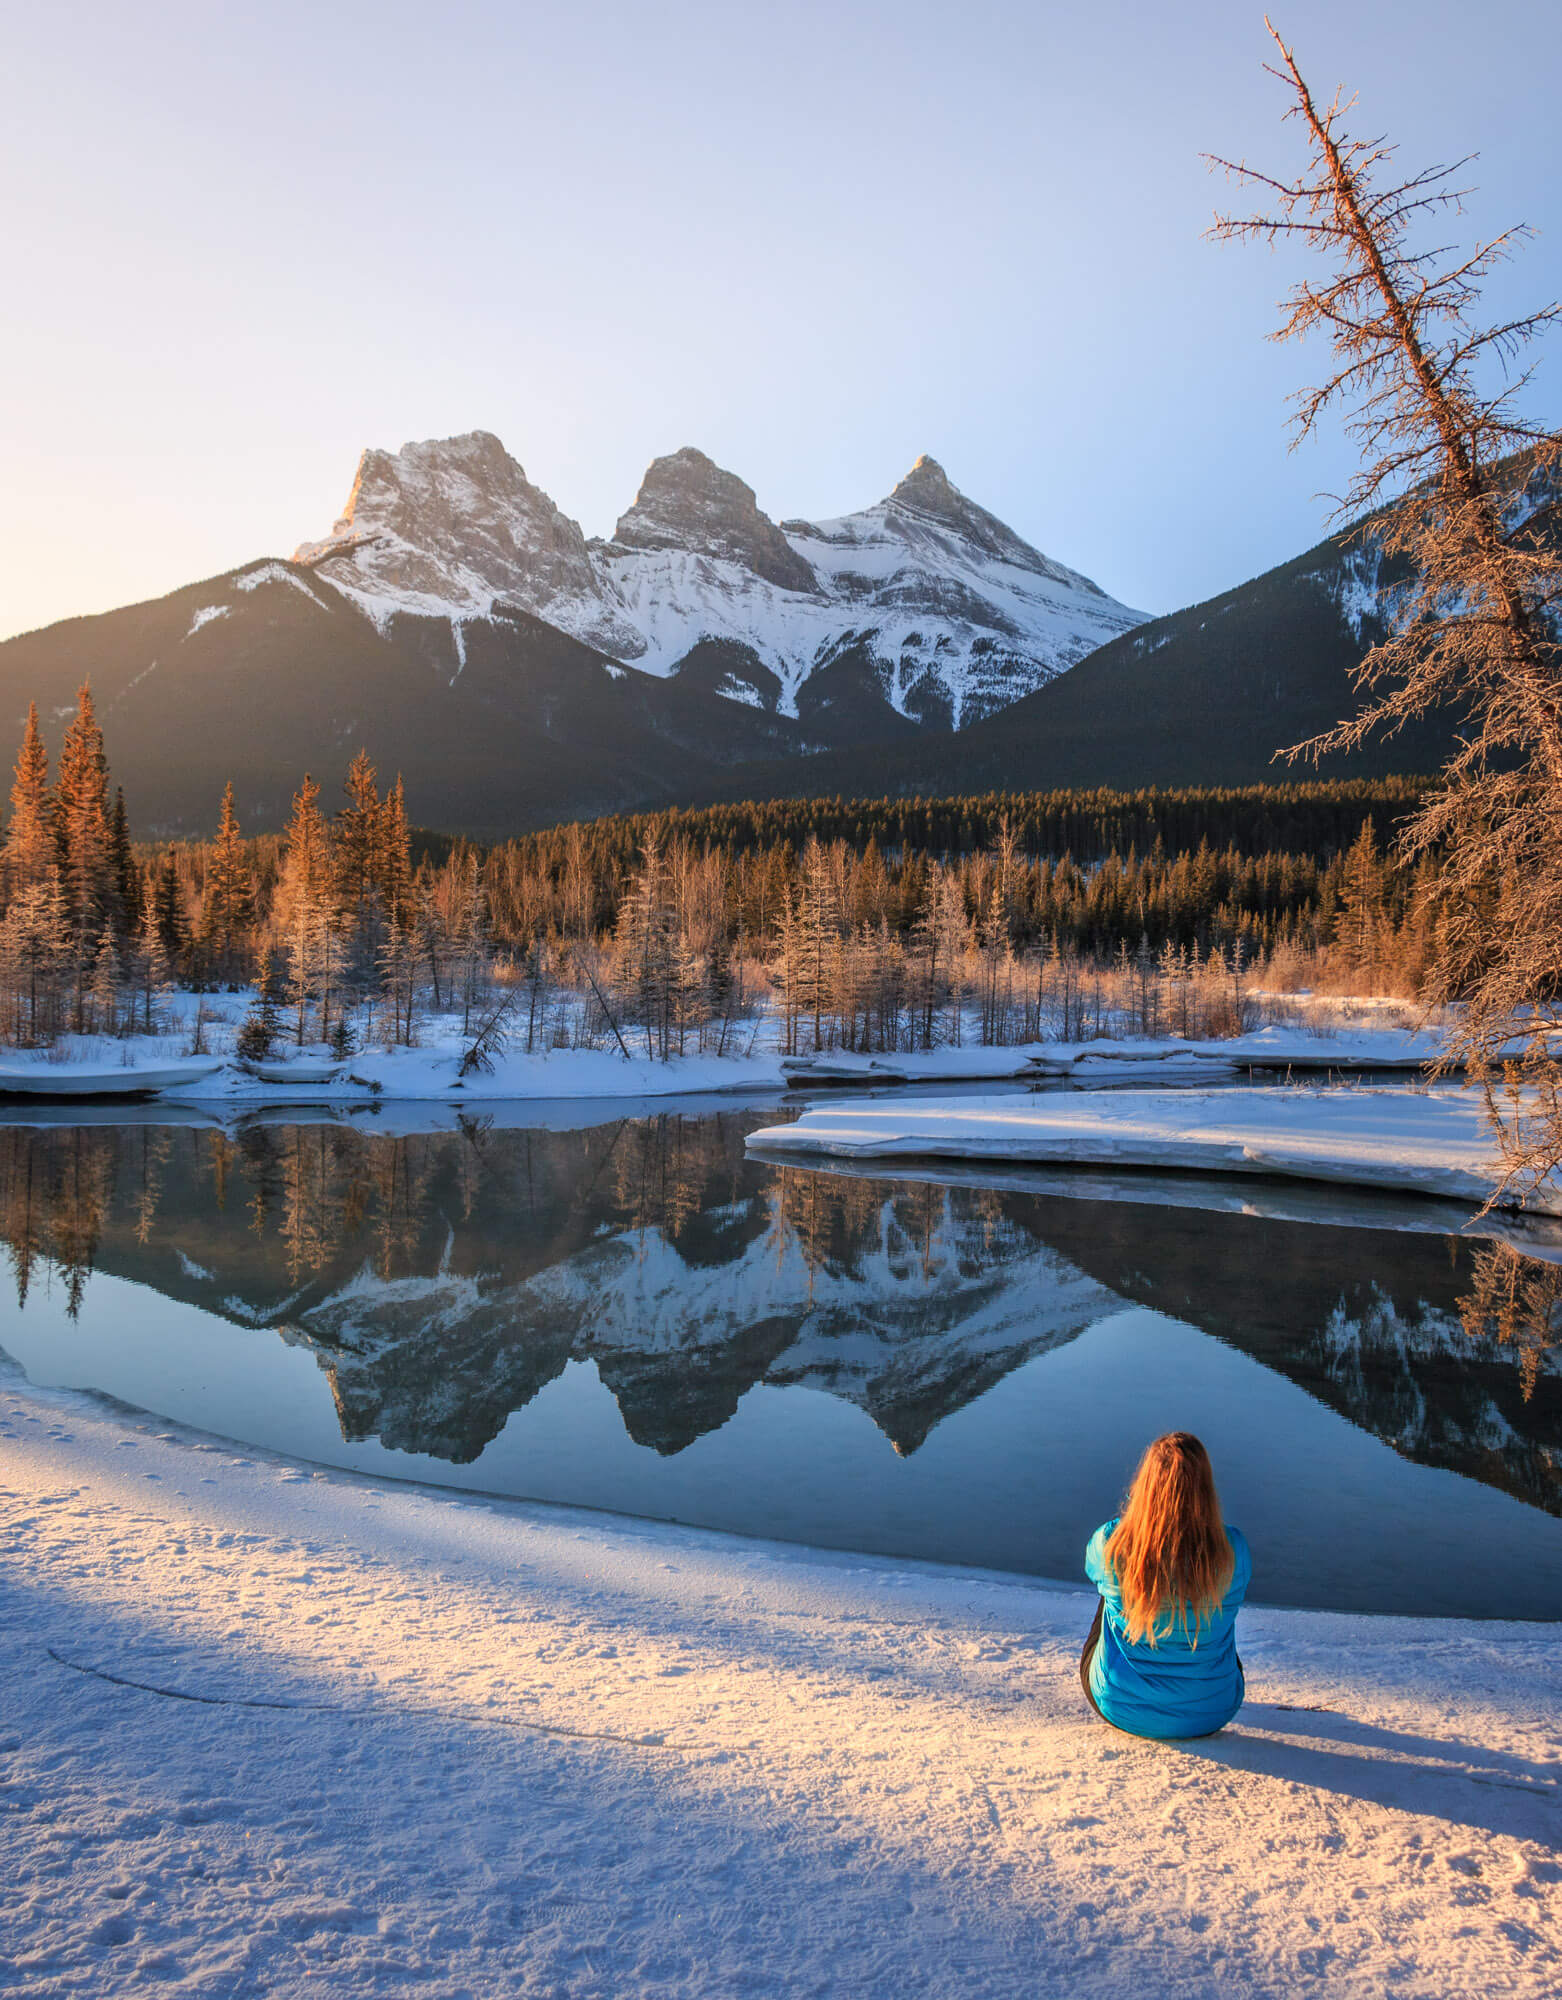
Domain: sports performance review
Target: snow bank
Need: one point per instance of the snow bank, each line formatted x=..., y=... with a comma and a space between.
x=1274, y=1047
x=943, y=1065
x=410, y=1075
x=752, y=1062
x=1425, y=1142
x=585, y=1073
x=41, y=1078
x=273, y=1730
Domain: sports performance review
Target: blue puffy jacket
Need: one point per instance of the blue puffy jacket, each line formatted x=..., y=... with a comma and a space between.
x=1187, y=1683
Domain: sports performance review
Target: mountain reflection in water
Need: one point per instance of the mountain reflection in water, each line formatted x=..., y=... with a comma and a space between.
x=442, y=1279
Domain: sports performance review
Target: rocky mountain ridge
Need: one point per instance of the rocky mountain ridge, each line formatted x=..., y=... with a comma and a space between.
x=463, y=630
x=946, y=609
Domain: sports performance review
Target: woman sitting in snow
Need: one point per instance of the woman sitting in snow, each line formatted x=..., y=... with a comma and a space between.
x=1161, y=1658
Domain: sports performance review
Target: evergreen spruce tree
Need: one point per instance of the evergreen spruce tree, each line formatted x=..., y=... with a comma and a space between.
x=819, y=932
x=1361, y=919
x=645, y=951
x=29, y=853
x=168, y=912
x=305, y=899
x=122, y=868
x=393, y=854
x=470, y=938
x=35, y=947
x=153, y=975
x=400, y=956
x=357, y=839
x=536, y=974
x=82, y=822
x=105, y=987
x=262, y=1029
x=229, y=908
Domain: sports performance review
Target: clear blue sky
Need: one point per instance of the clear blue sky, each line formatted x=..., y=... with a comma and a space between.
x=242, y=242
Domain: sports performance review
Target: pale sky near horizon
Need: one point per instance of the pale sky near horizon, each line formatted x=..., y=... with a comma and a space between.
x=243, y=243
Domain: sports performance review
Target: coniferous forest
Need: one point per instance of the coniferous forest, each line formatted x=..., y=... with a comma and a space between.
x=863, y=924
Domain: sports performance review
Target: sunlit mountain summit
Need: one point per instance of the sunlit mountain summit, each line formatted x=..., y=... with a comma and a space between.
x=925, y=596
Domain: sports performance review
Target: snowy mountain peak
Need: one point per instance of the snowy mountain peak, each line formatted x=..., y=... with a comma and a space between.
x=687, y=502
x=927, y=483
x=928, y=494
x=451, y=526
x=925, y=602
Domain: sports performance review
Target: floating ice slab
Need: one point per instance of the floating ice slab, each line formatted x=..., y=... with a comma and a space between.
x=1434, y=1142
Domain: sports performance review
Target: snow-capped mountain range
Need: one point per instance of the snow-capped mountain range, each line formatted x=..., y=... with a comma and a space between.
x=461, y=629
x=956, y=615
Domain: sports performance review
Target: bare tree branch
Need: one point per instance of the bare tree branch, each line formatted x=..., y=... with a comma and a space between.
x=1461, y=494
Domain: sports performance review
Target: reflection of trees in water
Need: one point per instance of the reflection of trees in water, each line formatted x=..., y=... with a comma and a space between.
x=154, y=1143
x=828, y=1222
x=325, y=1187
x=834, y=1221
x=687, y=1272
x=23, y=1211
x=1515, y=1302
x=320, y=1191
x=55, y=1189
x=314, y=1189
x=660, y=1169
x=220, y=1156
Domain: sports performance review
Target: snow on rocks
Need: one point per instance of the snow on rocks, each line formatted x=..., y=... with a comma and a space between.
x=268, y=1729
x=1432, y=1142
x=268, y=573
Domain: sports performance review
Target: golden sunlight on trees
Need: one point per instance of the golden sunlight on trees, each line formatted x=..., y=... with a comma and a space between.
x=1465, y=493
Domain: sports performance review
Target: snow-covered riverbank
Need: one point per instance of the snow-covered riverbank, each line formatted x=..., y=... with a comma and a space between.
x=1344, y=1036
x=270, y=1730
x=424, y=1074
x=394, y=1075
x=1434, y=1142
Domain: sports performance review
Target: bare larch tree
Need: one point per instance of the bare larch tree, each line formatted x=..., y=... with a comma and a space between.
x=1456, y=488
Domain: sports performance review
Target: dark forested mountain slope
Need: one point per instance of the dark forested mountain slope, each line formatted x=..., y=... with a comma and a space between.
x=1207, y=696
x=267, y=672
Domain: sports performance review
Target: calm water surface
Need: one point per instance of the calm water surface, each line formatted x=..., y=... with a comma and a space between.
x=621, y=1309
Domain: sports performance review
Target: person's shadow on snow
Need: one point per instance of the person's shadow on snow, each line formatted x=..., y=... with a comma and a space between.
x=1465, y=1783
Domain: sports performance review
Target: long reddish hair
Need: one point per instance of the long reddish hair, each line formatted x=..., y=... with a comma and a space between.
x=1170, y=1552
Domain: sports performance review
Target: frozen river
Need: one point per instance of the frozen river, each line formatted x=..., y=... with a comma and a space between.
x=614, y=1306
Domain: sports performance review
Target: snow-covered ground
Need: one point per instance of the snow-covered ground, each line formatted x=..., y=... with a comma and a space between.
x=1320, y=1039
x=267, y=1730
x=1433, y=1142
x=428, y=1072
